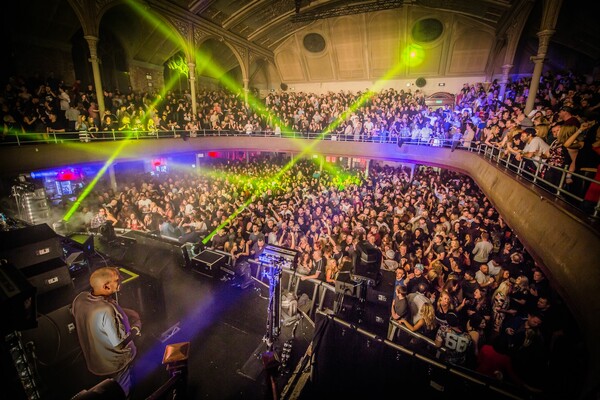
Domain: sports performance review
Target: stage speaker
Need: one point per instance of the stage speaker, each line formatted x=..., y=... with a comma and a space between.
x=376, y=317
x=30, y=245
x=55, y=339
x=345, y=285
x=18, y=303
x=381, y=294
x=349, y=308
x=367, y=263
x=144, y=293
x=84, y=243
x=48, y=275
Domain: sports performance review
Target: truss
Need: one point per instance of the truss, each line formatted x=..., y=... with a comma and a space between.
x=347, y=10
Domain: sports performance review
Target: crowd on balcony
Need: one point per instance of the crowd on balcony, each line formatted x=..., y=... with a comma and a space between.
x=40, y=105
x=561, y=130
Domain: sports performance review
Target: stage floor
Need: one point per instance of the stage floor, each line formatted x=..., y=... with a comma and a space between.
x=224, y=325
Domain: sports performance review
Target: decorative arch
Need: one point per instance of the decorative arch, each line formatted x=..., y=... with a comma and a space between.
x=266, y=70
x=239, y=52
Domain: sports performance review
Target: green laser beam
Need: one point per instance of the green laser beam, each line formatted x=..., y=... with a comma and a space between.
x=94, y=181
x=203, y=62
x=88, y=189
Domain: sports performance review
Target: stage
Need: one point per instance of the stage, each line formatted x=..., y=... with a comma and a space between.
x=224, y=325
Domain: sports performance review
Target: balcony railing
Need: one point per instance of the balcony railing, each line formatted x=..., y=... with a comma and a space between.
x=496, y=155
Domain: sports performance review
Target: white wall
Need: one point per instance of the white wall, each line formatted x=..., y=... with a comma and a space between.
x=452, y=85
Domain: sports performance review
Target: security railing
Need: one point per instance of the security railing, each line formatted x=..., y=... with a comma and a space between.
x=563, y=185
x=527, y=168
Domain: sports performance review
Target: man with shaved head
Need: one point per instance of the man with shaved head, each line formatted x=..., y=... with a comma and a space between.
x=106, y=329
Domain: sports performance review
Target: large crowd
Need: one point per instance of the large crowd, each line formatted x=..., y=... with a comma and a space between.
x=41, y=105
x=561, y=130
x=460, y=271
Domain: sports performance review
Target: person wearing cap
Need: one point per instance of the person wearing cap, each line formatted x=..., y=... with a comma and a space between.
x=567, y=115
x=414, y=279
x=389, y=262
x=454, y=339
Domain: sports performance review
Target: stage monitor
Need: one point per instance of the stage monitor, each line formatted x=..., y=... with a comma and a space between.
x=88, y=246
x=83, y=242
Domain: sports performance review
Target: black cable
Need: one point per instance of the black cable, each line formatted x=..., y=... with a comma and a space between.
x=102, y=257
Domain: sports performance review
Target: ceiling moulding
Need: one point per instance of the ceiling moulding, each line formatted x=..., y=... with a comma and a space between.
x=172, y=12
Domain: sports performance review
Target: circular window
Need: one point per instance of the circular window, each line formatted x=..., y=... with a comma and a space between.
x=314, y=43
x=427, y=30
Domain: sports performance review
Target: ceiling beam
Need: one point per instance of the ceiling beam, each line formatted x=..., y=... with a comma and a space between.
x=241, y=13
x=199, y=6
x=346, y=10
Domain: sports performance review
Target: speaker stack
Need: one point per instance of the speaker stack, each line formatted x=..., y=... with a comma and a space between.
x=35, y=207
x=36, y=252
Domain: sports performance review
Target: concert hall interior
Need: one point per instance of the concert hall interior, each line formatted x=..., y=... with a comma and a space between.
x=216, y=199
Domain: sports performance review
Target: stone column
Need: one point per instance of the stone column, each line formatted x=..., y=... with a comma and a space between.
x=246, y=84
x=112, y=177
x=538, y=61
x=93, y=45
x=504, y=80
x=192, y=71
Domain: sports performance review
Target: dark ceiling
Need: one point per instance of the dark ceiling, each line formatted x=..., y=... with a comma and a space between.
x=267, y=23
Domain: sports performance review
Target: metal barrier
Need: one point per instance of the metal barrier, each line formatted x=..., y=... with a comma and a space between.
x=458, y=372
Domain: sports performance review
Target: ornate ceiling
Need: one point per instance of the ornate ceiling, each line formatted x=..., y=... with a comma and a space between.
x=270, y=23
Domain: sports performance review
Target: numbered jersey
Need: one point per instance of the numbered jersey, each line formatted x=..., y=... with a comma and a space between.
x=457, y=344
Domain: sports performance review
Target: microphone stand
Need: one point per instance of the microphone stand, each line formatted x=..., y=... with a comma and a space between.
x=269, y=358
